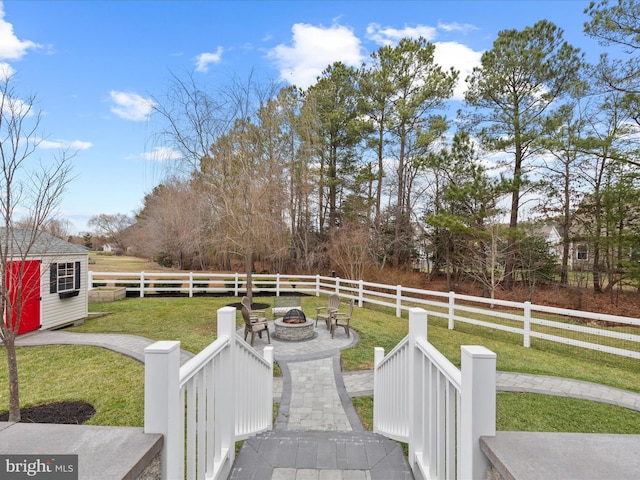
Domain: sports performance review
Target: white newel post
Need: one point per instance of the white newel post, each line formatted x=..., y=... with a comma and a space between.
x=162, y=401
x=378, y=356
x=417, y=329
x=225, y=414
x=478, y=409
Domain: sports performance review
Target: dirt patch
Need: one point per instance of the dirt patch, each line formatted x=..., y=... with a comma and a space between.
x=72, y=413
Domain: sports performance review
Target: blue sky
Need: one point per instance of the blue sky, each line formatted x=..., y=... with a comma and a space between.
x=96, y=66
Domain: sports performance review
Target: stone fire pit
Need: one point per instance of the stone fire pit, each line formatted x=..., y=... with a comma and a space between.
x=294, y=326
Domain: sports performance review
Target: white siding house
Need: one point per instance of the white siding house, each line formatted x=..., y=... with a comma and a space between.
x=59, y=274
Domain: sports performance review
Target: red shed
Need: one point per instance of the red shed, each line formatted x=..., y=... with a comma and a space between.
x=49, y=282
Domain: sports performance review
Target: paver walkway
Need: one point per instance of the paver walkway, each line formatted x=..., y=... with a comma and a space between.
x=318, y=434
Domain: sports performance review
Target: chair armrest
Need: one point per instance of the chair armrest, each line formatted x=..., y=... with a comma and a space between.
x=318, y=309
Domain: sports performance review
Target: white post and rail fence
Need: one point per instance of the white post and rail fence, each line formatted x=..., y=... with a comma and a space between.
x=610, y=334
x=225, y=393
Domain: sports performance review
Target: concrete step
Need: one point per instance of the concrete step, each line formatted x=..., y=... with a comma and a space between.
x=374, y=456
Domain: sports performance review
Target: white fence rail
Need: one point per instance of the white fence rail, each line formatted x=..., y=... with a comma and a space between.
x=441, y=412
x=194, y=408
x=599, y=332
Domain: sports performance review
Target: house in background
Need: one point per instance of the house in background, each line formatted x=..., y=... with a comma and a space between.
x=53, y=284
x=551, y=235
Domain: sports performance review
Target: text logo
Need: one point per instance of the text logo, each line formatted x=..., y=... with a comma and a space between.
x=39, y=467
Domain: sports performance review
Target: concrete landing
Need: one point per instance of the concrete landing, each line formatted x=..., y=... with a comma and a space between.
x=566, y=456
x=104, y=453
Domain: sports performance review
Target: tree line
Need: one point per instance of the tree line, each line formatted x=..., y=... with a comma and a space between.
x=369, y=166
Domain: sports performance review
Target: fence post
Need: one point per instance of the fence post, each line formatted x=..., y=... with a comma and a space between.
x=478, y=408
x=226, y=397
x=452, y=308
x=237, y=287
x=338, y=285
x=317, y=285
x=398, y=301
x=417, y=329
x=190, y=284
x=527, y=324
x=162, y=403
x=141, y=284
x=360, y=293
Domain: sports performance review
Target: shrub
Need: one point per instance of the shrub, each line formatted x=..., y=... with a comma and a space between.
x=172, y=287
x=200, y=282
x=264, y=283
x=164, y=260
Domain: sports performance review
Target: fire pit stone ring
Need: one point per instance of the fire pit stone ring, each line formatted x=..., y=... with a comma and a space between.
x=294, y=326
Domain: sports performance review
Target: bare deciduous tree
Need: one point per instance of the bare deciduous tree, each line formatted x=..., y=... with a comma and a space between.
x=349, y=250
x=113, y=226
x=30, y=190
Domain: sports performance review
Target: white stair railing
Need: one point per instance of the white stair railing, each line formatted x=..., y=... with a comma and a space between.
x=421, y=398
x=221, y=395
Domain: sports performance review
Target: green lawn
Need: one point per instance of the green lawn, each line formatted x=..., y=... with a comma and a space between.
x=114, y=384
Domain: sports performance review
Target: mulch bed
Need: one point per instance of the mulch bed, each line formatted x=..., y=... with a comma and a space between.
x=254, y=306
x=72, y=413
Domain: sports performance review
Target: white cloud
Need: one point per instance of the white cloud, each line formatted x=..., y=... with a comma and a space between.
x=131, y=106
x=312, y=50
x=391, y=36
x=6, y=71
x=161, y=154
x=11, y=48
x=65, y=144
x=204, y=59
x=460, y=57
x=456, y=27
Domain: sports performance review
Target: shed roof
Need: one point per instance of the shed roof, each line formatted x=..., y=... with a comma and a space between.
x=44, y=244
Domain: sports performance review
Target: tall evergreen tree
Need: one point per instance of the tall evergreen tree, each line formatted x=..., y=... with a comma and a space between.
x=334, y=101
x=417, y=88
x=512, y=90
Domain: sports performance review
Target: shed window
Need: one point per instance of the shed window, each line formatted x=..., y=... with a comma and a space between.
x=65, y=279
